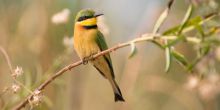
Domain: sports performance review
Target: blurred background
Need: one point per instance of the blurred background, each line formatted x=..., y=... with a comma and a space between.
x=37, y=34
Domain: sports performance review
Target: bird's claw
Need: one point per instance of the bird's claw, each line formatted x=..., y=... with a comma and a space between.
x=85, y=60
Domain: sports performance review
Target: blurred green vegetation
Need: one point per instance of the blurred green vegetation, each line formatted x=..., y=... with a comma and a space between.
x=42, y=46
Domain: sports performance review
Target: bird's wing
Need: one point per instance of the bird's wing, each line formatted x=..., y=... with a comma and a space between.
x=103, y=46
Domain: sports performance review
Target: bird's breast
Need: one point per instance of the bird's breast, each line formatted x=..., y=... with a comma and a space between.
x=85, y=41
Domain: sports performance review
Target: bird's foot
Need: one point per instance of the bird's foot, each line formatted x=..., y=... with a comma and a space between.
x=85, y=60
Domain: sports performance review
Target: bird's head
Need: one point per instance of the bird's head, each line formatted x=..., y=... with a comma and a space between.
x=87, y=17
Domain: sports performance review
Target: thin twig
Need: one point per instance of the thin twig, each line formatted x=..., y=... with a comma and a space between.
x=145, y=37
x=4, y=53
x=7, y=59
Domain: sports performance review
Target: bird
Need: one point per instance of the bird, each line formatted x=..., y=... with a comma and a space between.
x=88, y=41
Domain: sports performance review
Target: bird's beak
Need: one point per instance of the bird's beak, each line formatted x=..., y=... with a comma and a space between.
x=97, y=15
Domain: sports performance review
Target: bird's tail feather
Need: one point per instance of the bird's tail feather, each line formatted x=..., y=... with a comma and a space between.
x=117, y=92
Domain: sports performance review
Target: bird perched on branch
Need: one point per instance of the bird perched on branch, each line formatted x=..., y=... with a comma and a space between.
x=88, y=40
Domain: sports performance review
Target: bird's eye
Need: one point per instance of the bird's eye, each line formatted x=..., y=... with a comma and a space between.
x=84, y=18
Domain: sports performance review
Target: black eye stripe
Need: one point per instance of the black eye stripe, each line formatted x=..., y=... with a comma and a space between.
x=84, y=18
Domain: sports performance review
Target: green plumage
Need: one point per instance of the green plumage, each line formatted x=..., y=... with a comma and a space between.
x=103, y=46
x=86, y=12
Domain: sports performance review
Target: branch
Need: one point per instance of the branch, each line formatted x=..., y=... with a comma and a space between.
x=145, y=37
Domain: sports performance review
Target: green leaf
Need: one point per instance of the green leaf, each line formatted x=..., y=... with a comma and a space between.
x=200, y=30
x=133, y=50
x=204, y=50
x=190, y=25
x=186, y=19
x=168, y=59
x=160, y=21
x=180, y=58
x=162, y=17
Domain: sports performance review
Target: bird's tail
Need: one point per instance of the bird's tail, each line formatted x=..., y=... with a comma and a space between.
x=117, y=91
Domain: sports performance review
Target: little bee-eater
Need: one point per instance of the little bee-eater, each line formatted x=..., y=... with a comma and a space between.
x=88, y=40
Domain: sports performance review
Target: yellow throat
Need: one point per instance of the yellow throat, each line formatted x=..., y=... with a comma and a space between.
x=88, y=22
